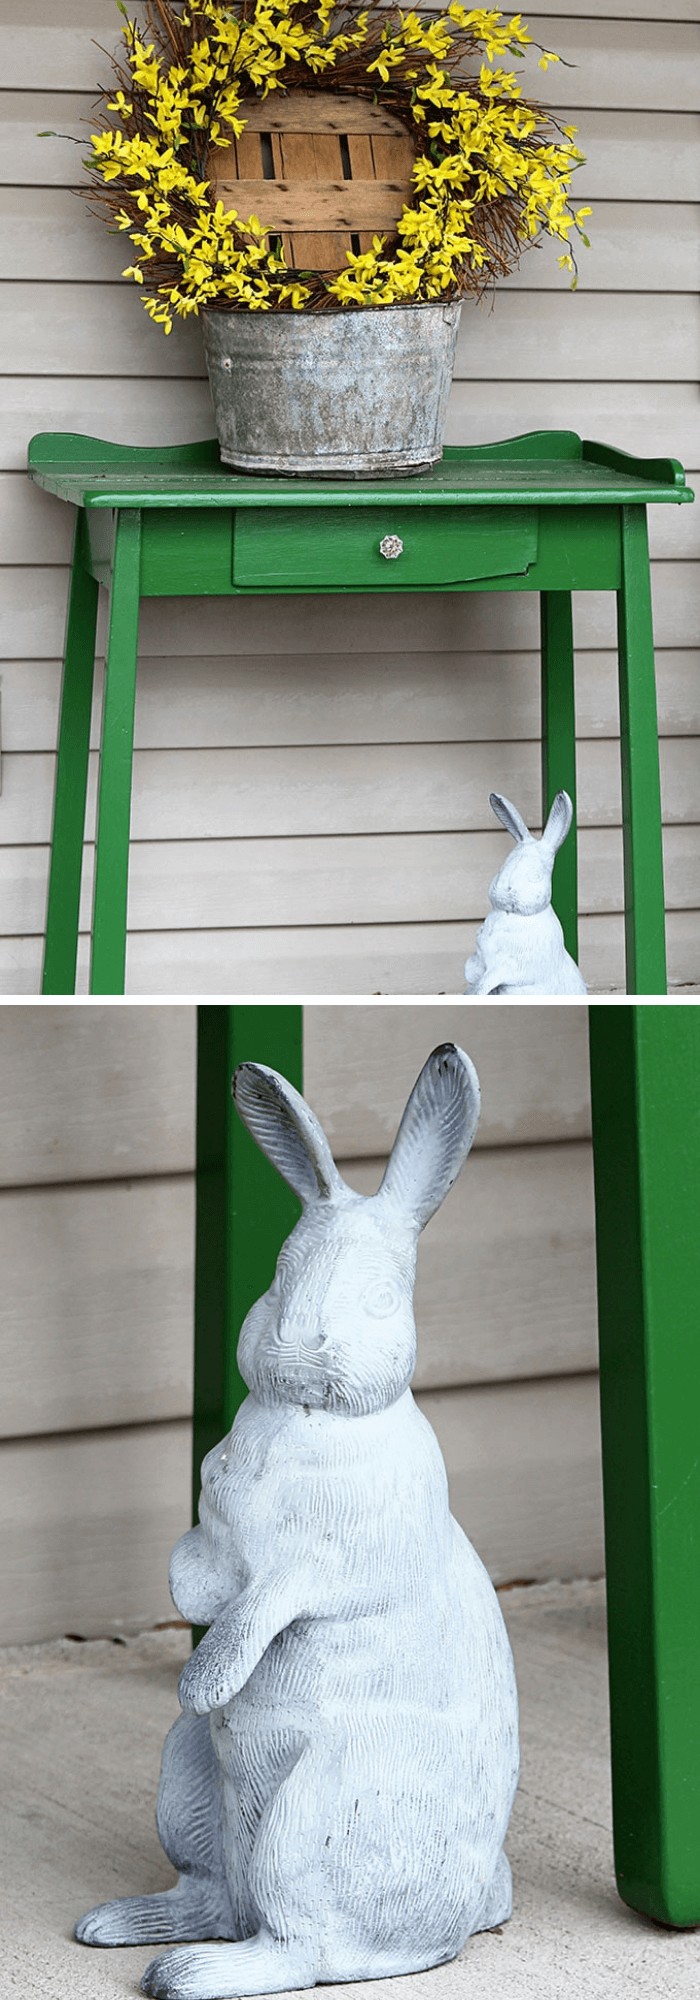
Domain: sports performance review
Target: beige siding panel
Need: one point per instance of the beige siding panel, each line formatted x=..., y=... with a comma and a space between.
x=32, y=616
x=98, y=1286
x=102, y=329
x=372, y=698
x=33, y=525
x=401, y=958
x=652, y=247
x=48, y=233
x=633, y=10
x=662, y=418
x=107, y=1093
x=635, y=155
x=97, y=1289
x=35, y=51
x=97, y=1093
x=404, y=959
x=30, y=154
x=91, y=329
x=674, y=532
x=350, y=789
x=524, y=1469
x=361, y=1062
x=26, y=159
x=88, y=1525
x=659, y=417
x=611, y=63
x=506, y=1272
x=356, y=879
x=580, y=334
x=127, y=411
x=44, y=56
x=506, y=1269
x=89, y=1520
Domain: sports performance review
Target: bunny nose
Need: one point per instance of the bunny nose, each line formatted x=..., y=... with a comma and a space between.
x=306, y=1340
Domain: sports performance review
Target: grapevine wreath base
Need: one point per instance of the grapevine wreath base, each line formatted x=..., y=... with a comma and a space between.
x=480, y=172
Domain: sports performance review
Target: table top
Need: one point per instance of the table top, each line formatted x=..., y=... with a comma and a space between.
x=549, y=468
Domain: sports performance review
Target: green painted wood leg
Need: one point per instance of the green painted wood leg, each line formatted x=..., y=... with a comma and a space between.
x=645, y=1076
x=559, y=747
x=109, y=913
x=645, y=938
x=70, y=792
x=244, y=1210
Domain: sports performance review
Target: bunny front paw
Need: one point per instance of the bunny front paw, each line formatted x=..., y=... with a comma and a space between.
x=234, y=1645
x=206, y=1683
x=221, y=1664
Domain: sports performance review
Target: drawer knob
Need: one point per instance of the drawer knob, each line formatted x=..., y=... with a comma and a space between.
x=391, y=546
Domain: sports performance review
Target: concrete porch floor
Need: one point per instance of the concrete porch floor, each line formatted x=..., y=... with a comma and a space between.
x=81, y=1729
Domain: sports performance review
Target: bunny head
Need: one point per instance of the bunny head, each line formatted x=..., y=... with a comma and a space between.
x=523, y=884
x=335, y=1330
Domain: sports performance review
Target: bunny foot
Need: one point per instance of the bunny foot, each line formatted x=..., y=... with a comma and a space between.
x=148, y=1919
x=227, y=1971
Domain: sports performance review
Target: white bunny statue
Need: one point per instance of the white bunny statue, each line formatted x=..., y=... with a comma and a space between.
x=520, y=946
x=336, y=1794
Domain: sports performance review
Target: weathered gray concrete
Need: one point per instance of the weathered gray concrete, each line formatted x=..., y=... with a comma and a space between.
x=81, y=1728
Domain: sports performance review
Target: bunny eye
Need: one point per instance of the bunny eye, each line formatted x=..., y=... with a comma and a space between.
x=382, y=1298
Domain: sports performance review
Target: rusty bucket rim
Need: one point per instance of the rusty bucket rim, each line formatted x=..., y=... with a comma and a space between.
x=330, y=318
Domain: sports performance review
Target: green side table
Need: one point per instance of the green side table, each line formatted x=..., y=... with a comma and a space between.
x=545, y=512
x=645, y=1082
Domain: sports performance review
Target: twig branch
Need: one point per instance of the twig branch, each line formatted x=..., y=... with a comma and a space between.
x=168, y=25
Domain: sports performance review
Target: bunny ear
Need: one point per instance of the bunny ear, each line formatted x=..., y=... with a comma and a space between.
x=287, y=1130
x=434, y=1136
x=558, y=823
x=509, y=816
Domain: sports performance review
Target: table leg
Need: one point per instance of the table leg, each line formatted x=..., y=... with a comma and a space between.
x=244, y=1209
x=70, y=792
x=559, y=747
x=639, y=752
x=645, y=1077
x=116, y=759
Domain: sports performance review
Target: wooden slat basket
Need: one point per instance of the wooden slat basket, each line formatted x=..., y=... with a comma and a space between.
x=324, y=171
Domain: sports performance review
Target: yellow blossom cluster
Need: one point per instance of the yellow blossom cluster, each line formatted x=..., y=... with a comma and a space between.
x=492, y=171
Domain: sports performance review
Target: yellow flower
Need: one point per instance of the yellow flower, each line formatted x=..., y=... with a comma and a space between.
x=144, y=62
x=296, y=293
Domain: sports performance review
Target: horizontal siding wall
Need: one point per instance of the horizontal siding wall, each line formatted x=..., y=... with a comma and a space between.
x=96, y=1252
x=312, y=777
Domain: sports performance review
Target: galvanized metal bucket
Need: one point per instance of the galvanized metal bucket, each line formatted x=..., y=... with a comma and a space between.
x=351, y=392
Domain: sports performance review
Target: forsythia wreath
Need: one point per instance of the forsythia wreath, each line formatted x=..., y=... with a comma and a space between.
x=492, y=173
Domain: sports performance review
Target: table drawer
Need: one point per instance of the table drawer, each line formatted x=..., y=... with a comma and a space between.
x=380, y=548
